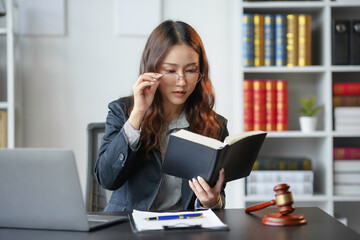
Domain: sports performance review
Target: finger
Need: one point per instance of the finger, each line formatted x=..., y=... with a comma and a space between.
x=204, y=184
x=152, y=77
x=220, y=181
x=143, y=85
x=198, y=187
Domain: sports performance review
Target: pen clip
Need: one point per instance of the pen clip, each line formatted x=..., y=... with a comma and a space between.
x=182, y=227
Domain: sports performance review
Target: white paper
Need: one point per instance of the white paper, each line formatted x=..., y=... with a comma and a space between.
x=209, y=220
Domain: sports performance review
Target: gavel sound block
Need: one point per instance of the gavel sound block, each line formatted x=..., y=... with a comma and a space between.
x=284, y=216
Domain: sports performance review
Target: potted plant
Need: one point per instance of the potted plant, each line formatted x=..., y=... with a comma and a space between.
x=308, y=110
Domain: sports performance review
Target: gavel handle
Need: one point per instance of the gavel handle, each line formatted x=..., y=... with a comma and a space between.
x=260, y=206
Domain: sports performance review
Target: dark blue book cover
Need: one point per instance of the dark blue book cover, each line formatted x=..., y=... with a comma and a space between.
x=248, y=40
x=280, y=40
x=269, y=40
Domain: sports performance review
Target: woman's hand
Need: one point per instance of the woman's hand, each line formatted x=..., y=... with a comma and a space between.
x=144, y=91
x=208, y=196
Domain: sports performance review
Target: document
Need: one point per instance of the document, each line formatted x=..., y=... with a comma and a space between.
x=154, y=221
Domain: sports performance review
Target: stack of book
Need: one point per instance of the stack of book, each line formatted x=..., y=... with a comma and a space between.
x=346, y=102
x=347, y=170
x=277, y=40
x=265, y=105
x=3, y=129
x=270, y=171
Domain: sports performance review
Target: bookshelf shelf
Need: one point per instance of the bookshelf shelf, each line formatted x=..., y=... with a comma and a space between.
x=297, y=198
x=7, y=74
x=307, y=69
x=316, y=80
x=296, y=134
x=345, y=69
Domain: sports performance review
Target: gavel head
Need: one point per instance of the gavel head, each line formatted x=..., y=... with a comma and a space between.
x=284, y=199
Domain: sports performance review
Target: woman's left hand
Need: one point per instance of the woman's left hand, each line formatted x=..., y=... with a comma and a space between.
x=208, y=196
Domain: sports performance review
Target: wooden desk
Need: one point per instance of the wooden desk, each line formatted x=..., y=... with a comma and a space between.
x=242, y=226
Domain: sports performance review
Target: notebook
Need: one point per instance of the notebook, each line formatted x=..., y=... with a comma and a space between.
x=40, y=189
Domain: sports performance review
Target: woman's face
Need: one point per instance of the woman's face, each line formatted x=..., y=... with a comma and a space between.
x=184, y=61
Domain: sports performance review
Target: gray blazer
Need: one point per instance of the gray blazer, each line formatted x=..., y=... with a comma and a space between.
x=134, y=179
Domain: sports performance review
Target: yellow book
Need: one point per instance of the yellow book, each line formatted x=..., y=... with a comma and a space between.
x=304, y=40
x=3, y=129
x=258, y=40
x=292, y=40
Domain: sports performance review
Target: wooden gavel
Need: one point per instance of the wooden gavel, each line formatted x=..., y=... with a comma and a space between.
x=284, y=201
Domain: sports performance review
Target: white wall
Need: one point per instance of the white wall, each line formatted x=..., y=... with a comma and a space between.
x=67, y=81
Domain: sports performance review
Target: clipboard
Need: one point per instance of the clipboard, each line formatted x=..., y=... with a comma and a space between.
x=173, y=226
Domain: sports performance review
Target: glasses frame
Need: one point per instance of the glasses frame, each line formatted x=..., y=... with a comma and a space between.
x=172, y=73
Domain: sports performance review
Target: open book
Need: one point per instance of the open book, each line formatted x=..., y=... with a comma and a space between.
x=189, y=155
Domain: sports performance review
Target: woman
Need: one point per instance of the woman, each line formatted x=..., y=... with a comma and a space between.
x=173, y=92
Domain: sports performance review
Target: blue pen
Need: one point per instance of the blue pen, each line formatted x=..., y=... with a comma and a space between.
x=177, y=216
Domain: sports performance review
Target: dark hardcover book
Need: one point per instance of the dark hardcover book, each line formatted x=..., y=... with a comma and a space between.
x=355, y=42
x=190, y=155
x=340, y=42
x=282, y=163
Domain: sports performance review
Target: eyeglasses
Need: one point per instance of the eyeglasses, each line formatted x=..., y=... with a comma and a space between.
x=191, y=78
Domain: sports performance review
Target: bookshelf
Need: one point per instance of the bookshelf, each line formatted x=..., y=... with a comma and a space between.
x=7, y=70
x=306, y=81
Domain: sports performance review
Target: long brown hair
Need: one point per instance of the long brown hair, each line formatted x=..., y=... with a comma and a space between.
x=199, y=106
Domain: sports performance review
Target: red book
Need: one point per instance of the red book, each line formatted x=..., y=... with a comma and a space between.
x=260, y=105
x=248, y=105
x=346, y=88
x=349, y=153
x=282, y=105
x=271, y=105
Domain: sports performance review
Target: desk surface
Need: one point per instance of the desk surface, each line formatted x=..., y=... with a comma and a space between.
x=242, y=226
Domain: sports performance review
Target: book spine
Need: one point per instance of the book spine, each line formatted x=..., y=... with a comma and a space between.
x=340, y=42
x=281, y=163
x=343, y=100
x=346, y=153
x=292, y=40
x=355, y=42
x=248, y=105
x=269, y=40
x=281, y=176
x=248, y=40
x=280, y=40
x=259, y=105
x=3, y=129
x=346, y=112
x=281, y=105
x=258, y=40
x=346, y=88
x=263, y=188
x=304, y=40
x=342, y=165
x=347, y=178
x=271, y=105
x=343, y=189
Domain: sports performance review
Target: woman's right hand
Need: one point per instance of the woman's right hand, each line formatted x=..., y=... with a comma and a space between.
x=144, y=91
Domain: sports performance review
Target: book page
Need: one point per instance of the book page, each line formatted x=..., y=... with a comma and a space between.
x=209, y=220
x=234, y=138
x=197, y=138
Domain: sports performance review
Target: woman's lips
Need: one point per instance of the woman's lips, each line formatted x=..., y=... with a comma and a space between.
x=179, y=93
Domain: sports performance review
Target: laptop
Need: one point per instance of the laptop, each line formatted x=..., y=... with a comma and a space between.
x=40, y=189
